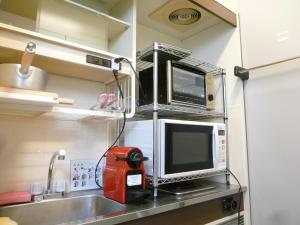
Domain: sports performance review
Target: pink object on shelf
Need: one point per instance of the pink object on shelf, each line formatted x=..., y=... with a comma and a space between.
x=14, y=197
x=106, y=99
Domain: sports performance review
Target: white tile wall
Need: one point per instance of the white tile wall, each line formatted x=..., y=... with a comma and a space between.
x=26, y=146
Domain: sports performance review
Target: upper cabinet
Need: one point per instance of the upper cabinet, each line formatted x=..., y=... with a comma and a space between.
x=270, y=33
x=101, y=25
x=74, y=38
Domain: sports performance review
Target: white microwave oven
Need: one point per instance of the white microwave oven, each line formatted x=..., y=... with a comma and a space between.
x=186, y=148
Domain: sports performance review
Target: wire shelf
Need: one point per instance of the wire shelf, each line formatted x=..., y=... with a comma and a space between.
x=169, y=52
x=162, y=181
x=165, y=50
x=172, y=110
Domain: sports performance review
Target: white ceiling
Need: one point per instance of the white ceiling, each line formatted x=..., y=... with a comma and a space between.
x=147, y=7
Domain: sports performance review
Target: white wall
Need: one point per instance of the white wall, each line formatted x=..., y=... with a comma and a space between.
x=270, y=33
x=272, y=95
x=146, y=36
x=220, y=45
x=27, y=144
x=230, y=4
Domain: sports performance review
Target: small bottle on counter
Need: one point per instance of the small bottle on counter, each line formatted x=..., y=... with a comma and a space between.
x=36, y=190
x=60, y=186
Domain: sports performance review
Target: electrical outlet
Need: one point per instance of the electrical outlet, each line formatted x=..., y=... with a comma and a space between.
x=82, y=174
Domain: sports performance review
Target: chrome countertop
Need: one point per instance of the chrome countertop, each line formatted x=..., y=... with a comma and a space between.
x=162, y=204
x=120, y=213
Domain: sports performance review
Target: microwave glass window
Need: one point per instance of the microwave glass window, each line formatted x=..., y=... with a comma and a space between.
x=187, y=141
x=188, y=83
x=188, y=148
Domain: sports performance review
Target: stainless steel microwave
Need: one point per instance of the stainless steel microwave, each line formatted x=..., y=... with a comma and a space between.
x=178, y=84
x=186, y=148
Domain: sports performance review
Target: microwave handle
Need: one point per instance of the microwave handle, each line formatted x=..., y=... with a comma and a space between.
x=215, y=146
x=169, y=82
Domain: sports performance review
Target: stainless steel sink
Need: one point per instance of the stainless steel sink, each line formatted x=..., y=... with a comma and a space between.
x=60, y=211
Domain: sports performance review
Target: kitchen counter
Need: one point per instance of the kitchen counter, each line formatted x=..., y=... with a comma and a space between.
x=163, y=203
x=98, y=210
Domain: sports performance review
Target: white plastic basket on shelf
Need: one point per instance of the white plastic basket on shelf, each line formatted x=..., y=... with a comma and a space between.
x=126, y=85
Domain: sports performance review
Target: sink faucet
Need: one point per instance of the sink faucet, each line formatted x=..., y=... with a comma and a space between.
x=61, y=154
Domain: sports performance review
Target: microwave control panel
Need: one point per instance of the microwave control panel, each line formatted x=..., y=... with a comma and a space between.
x=222, y=148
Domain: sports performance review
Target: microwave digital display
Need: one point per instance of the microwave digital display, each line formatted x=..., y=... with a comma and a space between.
x=188, y=148
x=221, y=132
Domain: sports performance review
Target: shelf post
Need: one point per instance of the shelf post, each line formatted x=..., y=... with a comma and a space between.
x=155, y=118
x=226, y=122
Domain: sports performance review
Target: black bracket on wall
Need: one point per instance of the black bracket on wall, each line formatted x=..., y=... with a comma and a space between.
x=241, y=73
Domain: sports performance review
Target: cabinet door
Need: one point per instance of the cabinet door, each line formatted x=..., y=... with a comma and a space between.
x=270, y=31
x=210, y=212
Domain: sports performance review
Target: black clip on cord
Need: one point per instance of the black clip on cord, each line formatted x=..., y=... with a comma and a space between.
x=118, y=60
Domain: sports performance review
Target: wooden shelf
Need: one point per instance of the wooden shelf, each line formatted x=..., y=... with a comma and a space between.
x=115, y=26
x=54, y=55
x=218, y=10
x=25, y=105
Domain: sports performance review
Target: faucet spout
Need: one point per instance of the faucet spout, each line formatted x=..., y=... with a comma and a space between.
x=61, y=154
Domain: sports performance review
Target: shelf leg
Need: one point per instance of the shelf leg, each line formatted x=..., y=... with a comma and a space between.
x=227, y=179
x=155, y=193
x=155, y=119
x=226, y=123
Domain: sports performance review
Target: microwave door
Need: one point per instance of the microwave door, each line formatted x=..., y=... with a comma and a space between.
x=187, y=87
x=215, y=146
x=187, y=148
x=169, y=82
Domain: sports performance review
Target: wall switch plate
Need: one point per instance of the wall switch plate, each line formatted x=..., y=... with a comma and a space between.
x=82, y=174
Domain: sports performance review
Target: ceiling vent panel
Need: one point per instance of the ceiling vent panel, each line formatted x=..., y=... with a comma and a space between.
x=181, y=15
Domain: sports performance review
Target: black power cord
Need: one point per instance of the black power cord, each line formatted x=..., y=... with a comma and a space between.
x=240, y=195
x=115, y=73
x=118, y=60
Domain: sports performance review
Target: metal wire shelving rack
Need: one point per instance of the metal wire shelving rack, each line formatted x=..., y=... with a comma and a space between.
x=186, y=178
x=152, y=56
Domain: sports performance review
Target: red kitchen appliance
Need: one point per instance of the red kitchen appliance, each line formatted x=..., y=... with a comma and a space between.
x=124, y=175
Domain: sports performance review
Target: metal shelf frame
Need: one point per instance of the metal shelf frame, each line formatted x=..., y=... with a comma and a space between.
x=179, y=111
x=180, y=179
x=153, y=56
x=145, y=58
